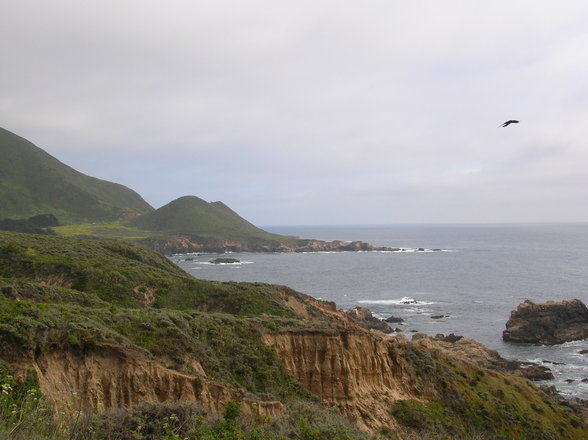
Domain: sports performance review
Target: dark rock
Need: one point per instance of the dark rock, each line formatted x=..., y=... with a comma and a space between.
x=583, y=351
x=394, y=319
x=189, y=259
x=549, y=323
x=569, y=380
x=552, y=362
x=439, y=316
x=224, y=260
x=536, y=372
x=578, y=406
x=364, y=318
x=449, y=338
x=585, y=380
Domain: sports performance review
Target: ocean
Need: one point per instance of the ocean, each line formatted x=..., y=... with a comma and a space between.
x=475, y=277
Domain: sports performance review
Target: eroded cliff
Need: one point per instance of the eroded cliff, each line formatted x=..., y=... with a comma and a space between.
x=108, y=376
x=352, y=369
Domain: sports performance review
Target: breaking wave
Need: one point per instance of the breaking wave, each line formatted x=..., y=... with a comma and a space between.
x=406, y=300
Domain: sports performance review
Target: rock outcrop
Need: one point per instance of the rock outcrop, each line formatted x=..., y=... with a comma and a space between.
x=365, y=319
x=473, y=352
x=186, y=243
x=548, y=323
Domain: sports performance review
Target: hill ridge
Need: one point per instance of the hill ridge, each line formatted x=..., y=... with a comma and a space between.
x=33, y=182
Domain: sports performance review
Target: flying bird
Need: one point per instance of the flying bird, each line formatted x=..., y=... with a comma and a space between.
x=507, y=123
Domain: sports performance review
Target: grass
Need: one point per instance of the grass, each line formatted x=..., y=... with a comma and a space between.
x=24, y=412
x=112, y=230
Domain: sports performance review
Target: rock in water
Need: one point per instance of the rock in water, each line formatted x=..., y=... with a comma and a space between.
x=364, y=318
x=548, y=323
x=394, y=319
x=224, y=260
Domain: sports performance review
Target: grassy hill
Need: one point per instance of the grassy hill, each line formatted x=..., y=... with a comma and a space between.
x=206, y=222
x=32, y=182
x=191, y=214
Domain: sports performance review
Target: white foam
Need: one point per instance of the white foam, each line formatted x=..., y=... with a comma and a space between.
x=404, y=301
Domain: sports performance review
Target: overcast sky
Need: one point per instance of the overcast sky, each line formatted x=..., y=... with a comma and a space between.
x=312, y=112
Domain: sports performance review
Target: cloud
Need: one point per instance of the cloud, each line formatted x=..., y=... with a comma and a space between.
x=311, y=107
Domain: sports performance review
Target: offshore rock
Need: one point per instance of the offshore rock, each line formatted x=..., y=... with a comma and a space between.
x=394, y=319
x=224, y=260
x=365, y=319
x=548, y=323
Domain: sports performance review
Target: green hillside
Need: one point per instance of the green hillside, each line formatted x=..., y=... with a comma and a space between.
x=32, y=182
x=193, y=216
x=78, y=311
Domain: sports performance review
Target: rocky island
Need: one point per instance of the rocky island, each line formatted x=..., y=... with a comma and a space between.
x=548, y=323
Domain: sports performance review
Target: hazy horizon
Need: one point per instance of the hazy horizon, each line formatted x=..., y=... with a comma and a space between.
x=312, y=113
x=457, y=224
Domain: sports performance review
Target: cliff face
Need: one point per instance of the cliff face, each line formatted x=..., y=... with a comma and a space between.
x=110, y=376
x=353, y=370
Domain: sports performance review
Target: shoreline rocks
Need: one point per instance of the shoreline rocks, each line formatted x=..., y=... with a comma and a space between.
x=549, y=323
x=365, y=319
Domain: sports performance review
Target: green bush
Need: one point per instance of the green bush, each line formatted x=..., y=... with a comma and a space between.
x=24, y=413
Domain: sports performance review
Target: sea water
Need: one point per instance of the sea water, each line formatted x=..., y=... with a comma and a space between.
x=472, y=275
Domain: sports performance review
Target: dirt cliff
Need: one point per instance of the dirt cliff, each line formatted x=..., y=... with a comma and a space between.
x=352, y=369
x=108, y=376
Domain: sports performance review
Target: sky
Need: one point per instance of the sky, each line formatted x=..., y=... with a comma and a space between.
x=312, y=112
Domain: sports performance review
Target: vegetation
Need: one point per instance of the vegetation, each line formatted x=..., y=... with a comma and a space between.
x=482, y=402
x=72, y=296
x=205, y=223
x=129, y=275
x=24, y=412
x=39, y=224
x=33, y=183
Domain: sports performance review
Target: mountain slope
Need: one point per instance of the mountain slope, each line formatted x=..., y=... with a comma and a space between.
x=190, y=215
x=33, y=182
